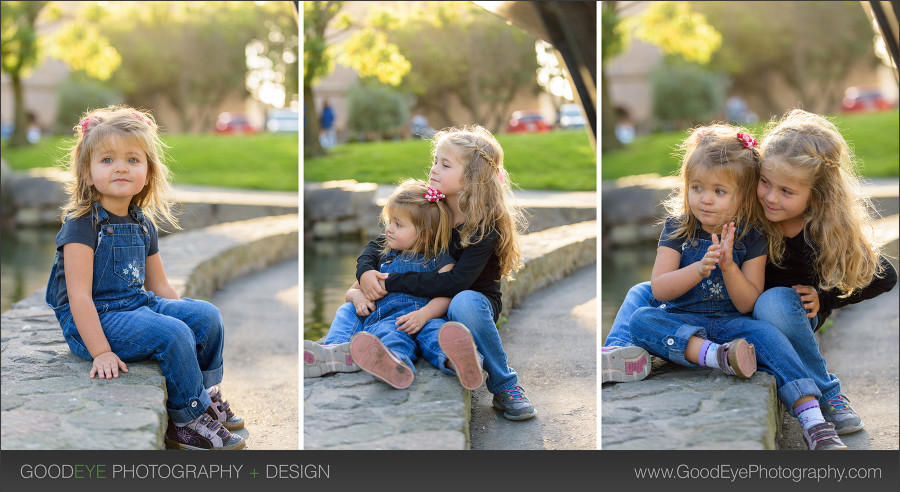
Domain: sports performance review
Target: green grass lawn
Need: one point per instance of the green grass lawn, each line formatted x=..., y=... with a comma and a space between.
x=873, y=136
x=262, y=161
x=559, y=160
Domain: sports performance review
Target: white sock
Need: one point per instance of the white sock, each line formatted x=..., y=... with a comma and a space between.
x=811, y=416
x=710, y=358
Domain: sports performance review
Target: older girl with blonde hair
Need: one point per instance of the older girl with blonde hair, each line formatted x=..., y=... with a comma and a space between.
x=823, y=253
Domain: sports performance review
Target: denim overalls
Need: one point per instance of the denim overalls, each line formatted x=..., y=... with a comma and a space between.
x=185, y=336
x=706, y=311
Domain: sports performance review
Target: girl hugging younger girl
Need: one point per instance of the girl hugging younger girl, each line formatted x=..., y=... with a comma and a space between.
x=705, y=286
x=484, y=244
x=109, y=290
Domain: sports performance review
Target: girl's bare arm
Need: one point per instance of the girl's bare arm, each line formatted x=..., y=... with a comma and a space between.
x=155, y=279
x=667, y=281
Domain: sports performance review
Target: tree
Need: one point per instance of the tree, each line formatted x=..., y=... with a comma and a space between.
x=20, y=53
x=677, y=30
x=318, y=62
x=807, y=45
x=457, y=49
x=367, y=52
x=190, y=55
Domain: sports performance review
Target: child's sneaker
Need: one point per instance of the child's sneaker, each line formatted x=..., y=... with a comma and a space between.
x=515, y=404
x=737, y=358
x=203, y=433
x=458, y=345
x=837, y=410
x=221, y=412
x=374, y=358
x=624, y=364
x=823, y=437
x=319, y=359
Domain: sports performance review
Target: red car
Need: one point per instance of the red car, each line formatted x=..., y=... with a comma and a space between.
x=864, y=99
x=234, y=124
x=527, y=122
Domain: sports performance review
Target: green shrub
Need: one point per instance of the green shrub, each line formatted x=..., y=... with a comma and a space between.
x=686, y=94
x=377, y=110
x=78, y=94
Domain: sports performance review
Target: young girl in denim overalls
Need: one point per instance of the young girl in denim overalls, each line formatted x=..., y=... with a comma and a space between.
x=108, y=287
x=705, y=287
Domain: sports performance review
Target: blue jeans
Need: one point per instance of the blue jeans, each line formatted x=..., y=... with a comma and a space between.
x=473, y=309
x=638, y=296
x=185, y=336
x=782, y=308
x=665, y=332
x=345, y=324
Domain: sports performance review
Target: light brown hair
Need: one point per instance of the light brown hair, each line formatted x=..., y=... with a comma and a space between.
x=432, y=220
x=486, y=198
x=95, y=128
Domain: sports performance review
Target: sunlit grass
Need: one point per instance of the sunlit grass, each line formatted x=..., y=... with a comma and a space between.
x=872, y=135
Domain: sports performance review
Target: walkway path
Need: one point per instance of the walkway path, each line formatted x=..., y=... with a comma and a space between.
x=261, y=314
x=551, y=343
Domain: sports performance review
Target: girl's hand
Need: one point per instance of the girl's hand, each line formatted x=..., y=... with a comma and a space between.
x=372, y=284
x=363, y=306
x=726, y=261
x=810, y=299
x=708, y=263
x=107, y=365
x=413, y=322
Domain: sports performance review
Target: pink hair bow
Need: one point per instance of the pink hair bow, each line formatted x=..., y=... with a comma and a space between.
x=433, y=195
x=748, y=141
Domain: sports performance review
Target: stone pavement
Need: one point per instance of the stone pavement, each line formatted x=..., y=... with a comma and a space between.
x=551, y=342
x=354, y=411
x=48, y=402
x=695, y=408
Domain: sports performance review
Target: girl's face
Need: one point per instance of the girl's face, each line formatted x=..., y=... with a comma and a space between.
x=713, y=199
x=784, y=197
x=400, y=231
x=118, y=169
x=447, y=171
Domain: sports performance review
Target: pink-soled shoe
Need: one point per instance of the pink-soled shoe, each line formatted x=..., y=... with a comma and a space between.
x=624, y=364
x=741, y=358
x=459, y=346
x=373, y=357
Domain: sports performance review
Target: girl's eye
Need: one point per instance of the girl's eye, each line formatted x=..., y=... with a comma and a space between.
x=133, y=160
x=788, y=193
x=106, y=160
x=720, y=191
x=695, y=188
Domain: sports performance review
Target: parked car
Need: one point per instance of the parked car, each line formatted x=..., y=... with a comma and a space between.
x=527, y=122
x=571, y=116
x=283, y=120
x=234, y=124
x=864, y=99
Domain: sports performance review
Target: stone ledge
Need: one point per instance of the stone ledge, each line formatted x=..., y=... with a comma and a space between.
x=691, y=408
x=354, y=411
x=48, y=401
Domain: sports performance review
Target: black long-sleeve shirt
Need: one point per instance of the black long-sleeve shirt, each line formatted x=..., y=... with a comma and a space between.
x=796, y=268
x=477, y=268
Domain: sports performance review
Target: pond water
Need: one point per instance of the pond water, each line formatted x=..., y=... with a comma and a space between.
x=329, y=269
x=25, y=258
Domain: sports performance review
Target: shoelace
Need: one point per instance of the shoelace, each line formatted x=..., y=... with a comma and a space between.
x=515, y=392
x=837, y=403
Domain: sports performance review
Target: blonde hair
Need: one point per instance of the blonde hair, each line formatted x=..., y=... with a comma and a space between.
x=716, y=148
x=431, y=219
x=486, y=198
x=95, y=128
x=839, y=217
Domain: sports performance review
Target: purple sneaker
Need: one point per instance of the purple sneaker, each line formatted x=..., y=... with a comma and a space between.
x=221, y=412
x=823, y=437
x=203, y=433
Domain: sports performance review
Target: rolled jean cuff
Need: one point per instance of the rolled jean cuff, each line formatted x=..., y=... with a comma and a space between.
x=212, y=377
x=195, y=407
x=792, y=391
x=680, y=339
